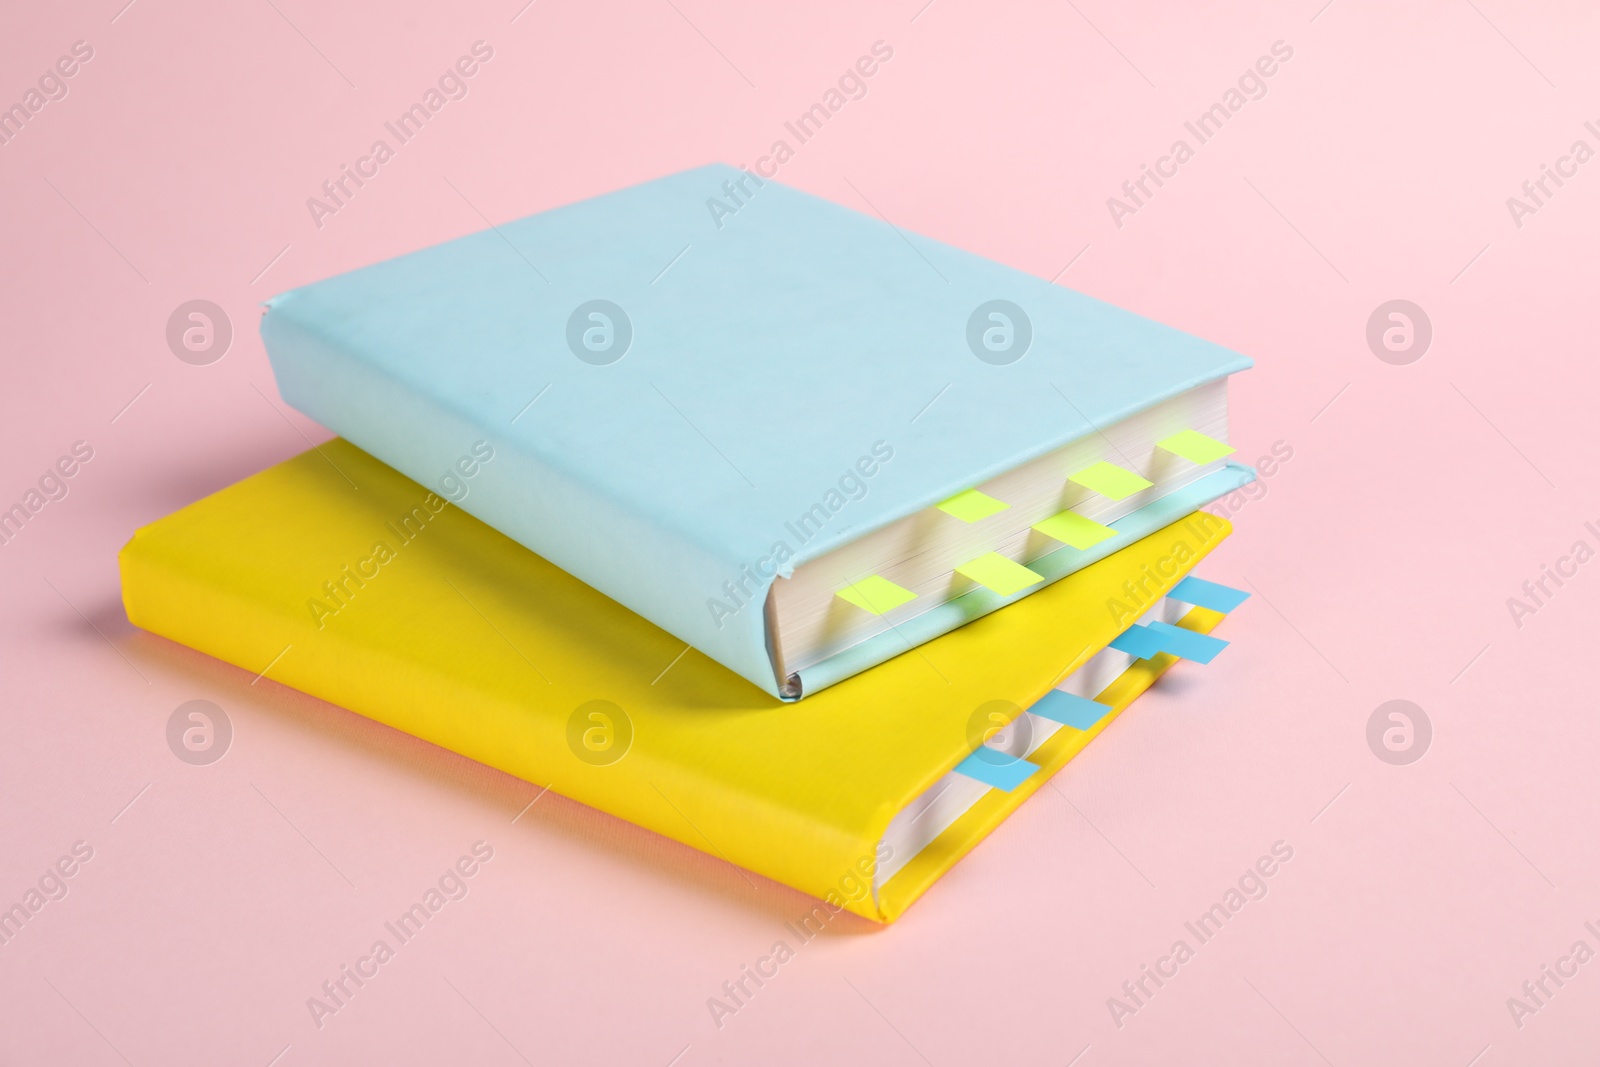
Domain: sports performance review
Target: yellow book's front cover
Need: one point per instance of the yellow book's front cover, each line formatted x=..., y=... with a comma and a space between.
x=338, y=576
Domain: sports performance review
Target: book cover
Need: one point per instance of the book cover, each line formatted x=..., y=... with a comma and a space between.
x=688, y=409
x=390, y=602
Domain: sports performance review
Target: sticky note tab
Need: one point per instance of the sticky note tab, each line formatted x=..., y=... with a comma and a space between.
x=876, y=594
x=972, y=505
x=1137, y=641
x=996, y=572
x=997, y=769
x=1202, y=648
x=1206, y=594
x=1110, y=480
x=1069, y=709
x=1073, y=529
x=1195, y=446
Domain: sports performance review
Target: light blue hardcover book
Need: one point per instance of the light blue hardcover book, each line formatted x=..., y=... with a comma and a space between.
x=797, y=437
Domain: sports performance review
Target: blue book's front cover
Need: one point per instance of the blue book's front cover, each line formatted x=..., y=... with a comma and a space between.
x=686, y=388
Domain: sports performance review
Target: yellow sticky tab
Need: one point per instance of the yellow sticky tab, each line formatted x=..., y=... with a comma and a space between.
x=972, y=505
x=1195, y=446
x=1004, y=576
x=1073, y=529
x=875, y=594
x=1110, y=480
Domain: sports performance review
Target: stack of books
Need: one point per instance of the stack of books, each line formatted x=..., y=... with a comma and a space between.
x=808, y=542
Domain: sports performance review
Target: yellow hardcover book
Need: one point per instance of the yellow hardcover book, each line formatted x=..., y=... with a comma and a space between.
x=338, y=576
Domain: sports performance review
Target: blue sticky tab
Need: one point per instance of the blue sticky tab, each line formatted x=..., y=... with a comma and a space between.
x=1202, y=648
x=996, y=768
x=1069, y=709
x=1138, y=641
x=1206, y=594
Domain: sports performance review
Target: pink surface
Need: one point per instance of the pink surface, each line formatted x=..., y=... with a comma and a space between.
x=1419, y=498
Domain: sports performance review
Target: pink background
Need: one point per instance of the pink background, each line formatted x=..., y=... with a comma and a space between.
x=1418, y=500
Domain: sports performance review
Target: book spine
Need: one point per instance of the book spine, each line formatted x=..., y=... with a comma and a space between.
x=662, y=575
x=182, y=588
